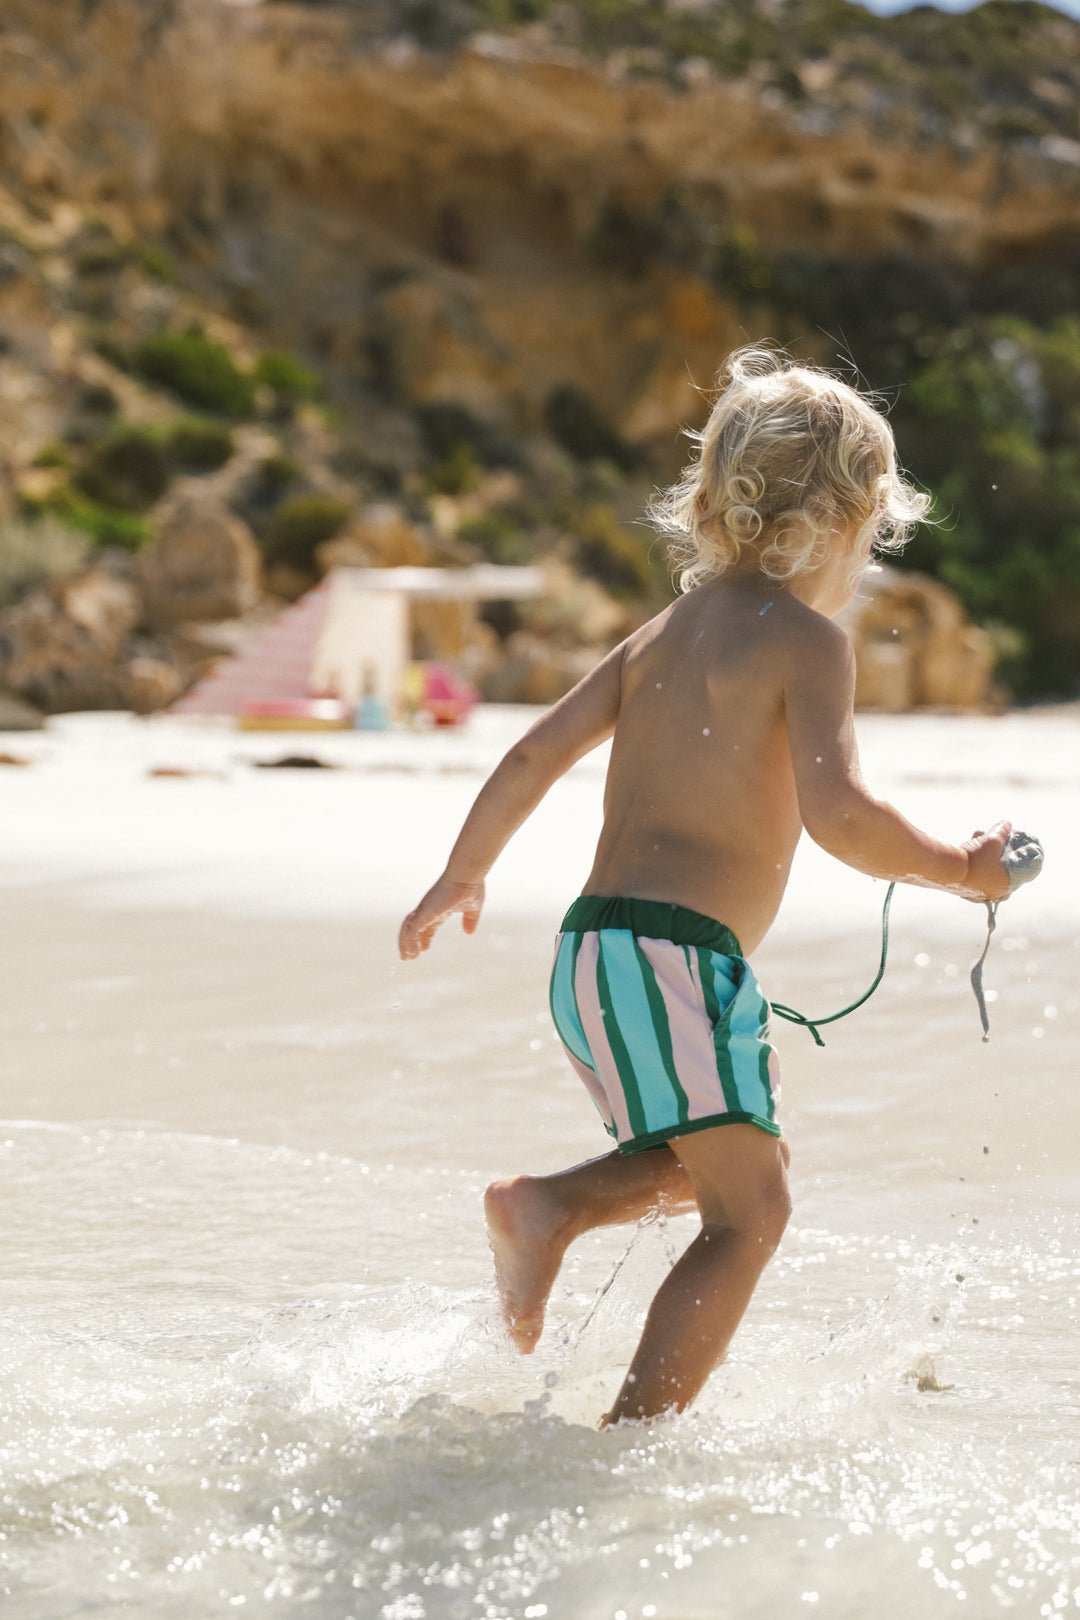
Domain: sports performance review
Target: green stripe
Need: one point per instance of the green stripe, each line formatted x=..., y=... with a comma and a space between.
x=662, y=1031
x=634, y=1109
x=724, y=1068
x=650, y=919
x=655, y=1139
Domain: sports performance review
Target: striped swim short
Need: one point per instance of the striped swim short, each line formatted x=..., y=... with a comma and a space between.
x=663, y=1020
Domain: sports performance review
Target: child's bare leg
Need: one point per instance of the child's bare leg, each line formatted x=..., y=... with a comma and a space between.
x=532, y=1219
x=739, y=1177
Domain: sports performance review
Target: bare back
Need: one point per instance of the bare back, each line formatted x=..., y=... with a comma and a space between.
x=700, y=806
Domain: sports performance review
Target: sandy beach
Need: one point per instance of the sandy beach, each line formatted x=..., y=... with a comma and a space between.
x=250, y=1354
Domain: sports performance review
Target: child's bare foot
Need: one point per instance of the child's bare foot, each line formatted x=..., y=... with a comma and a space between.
x=529, y=1232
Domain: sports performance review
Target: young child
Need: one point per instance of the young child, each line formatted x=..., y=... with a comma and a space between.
x=731, y=718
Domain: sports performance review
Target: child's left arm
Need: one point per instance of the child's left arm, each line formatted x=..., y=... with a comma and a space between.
x=579, y=722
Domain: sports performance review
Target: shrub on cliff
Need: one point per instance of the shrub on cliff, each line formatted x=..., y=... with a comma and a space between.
x=575, y=423
x=446, y=426
x=106, y=525
x=32, y=553
x=607, y=552
x=299, y=524
x=197, y=446
x=992, y=425
x=499, y=536
x=290, y=379
x=198, y=370
x=128, y=470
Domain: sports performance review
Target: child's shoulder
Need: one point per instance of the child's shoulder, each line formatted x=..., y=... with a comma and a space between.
x=809, y=646
x=727, y=618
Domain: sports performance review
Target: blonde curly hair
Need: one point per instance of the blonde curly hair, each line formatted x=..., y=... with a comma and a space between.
x=790, y=458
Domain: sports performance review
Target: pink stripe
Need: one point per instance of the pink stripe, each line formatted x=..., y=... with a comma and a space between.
x=592, y=1086
x=592, y=1022
x=691, y=1032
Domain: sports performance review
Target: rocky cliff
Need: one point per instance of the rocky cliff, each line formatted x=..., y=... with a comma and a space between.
x=485, y=228
x=513, y=254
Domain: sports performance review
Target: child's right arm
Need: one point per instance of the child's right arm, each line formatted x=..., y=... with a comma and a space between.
x=579, y=722
x=836, y=808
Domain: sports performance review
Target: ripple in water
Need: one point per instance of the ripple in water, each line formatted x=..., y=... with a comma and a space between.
x=895, y=1431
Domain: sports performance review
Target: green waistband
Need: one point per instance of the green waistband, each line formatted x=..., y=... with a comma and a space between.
x=650, y=919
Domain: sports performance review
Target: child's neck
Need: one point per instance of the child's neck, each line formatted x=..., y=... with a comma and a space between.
x=827, y=589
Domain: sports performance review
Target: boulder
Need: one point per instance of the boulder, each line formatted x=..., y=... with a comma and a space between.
x=104, y=606
x=914, y=646
x=151, y=684
x=382, y=537
x=18, y=716
x=574, y=611
x=533, y=671
x=885, y=677
x=205, y=564
x=59, y=647
x=956, y=670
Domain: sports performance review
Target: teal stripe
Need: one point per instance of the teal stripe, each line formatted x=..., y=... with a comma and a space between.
x=707, y=970
x=617, y=1047
x=764, y=1077
x=564, y=1006
x=750, y=1055
x=634, y=1016
x=649, y=919
x=662, y=1031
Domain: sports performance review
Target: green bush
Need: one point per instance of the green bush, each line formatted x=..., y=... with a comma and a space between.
x=991, y=424
x=446, y=425
x=456, y=473
x=112, y=350
x=105, y=525
x=278, y=472
x=157, y=262
x=98, y=399
x=290, y=379
x=197, y=446
x=609, y=553
x=575, y=423
x=101, y=258
x=625, y=241
x=198, y=370
x=33, y=552
x=53, y=455
x=128, y=470
x=499, y=536
x=300, y=523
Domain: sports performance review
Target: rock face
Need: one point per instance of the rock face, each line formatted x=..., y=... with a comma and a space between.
x=204, y=565
x=123, y=635
x=474, y=234
x=63, y=648
x=914, y=647
x=478, y=227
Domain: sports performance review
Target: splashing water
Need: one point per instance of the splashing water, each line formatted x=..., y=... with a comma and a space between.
x=182, y=1435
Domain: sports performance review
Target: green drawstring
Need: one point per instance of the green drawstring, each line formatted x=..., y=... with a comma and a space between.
x=976, y=972
x=811, y=1024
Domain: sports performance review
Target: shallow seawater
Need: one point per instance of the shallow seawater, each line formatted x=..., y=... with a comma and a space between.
x=897, y=1427
x=249, y=1357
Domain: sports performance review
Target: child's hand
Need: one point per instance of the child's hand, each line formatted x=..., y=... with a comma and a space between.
x=987, y=875
x=440, y=902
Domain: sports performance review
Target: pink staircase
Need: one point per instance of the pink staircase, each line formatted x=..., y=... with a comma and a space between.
x=274, y=666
